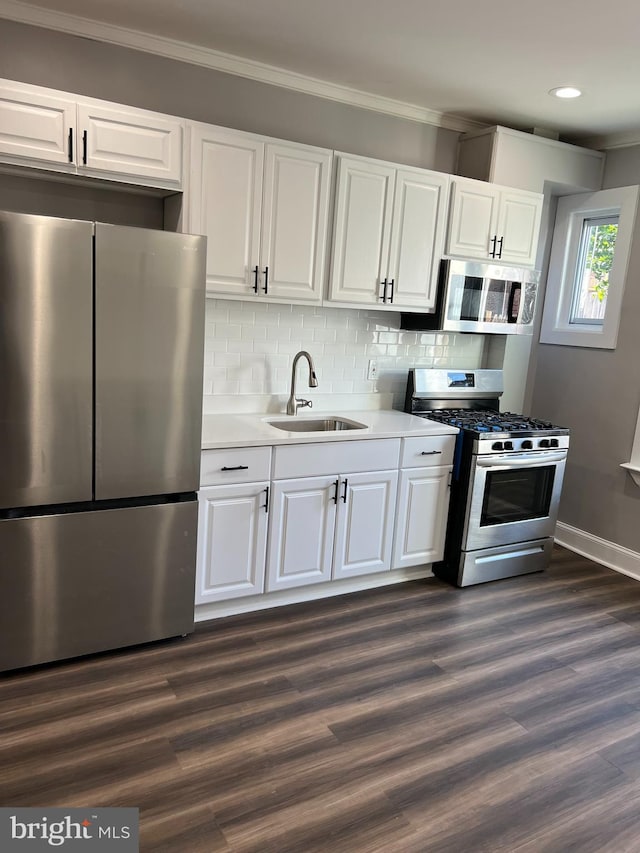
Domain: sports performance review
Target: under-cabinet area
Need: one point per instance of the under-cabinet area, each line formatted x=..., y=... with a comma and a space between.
x=314, y=514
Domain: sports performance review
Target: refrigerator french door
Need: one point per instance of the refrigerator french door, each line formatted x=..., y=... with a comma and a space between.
x=101, y=358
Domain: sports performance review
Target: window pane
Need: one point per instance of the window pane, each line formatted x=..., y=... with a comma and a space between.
x=595, y=256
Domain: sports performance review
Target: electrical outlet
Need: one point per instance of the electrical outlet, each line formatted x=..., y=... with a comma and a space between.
x=372, y=372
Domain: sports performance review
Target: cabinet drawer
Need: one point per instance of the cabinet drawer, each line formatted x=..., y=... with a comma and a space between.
x=427, y=451
x=235, y=465
x=339, y=457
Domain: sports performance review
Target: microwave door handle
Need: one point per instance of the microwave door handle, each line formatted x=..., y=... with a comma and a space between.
x=535, y=460
x=516, y=289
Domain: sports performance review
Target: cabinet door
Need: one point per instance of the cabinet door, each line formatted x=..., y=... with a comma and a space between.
x=364, y=531
x=232, y=537
x=294, y=222
x=362, y=229
x=36, y=126
x=130, y=144
x=474, y=208
x=423, y=502
x=518, y=226
x=417, y=238
x=226, y=200
x=302, y=524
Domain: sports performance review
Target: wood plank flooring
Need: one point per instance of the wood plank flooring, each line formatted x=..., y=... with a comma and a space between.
x=417, y=718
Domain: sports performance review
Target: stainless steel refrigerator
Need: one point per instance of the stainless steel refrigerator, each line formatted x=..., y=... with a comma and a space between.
x=101, y=360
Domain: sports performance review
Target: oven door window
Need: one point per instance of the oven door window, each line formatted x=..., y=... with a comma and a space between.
x=517, y=494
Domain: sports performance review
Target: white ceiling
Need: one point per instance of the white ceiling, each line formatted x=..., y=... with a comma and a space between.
x=491, y=61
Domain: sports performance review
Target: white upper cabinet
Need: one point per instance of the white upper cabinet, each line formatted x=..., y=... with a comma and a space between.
x=225, y=204
x=417, y=237
x=388, y=234
x=494, y=223
x=129, y=142
x=362, y=230
x=36, y=126
x=263, y=206
x=54, y=130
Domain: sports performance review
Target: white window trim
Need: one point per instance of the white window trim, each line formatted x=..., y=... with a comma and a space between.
x=572, y=211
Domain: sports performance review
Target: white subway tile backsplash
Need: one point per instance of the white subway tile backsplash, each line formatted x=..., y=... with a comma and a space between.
x=249, y=348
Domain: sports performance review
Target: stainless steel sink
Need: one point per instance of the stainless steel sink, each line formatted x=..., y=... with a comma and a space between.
x=293, y=424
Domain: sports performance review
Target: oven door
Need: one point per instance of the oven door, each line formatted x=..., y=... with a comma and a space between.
x=513, y=498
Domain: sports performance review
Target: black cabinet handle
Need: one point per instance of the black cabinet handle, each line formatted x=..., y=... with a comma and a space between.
x=430, y=452
x=235, y=468
x=391, y=284
x=84, y=147
x=499, y=251
x=265, y=505
x=266, y=280
x=70, y=145
x=384, y=291
x=344, y=494
x=255, y=279
x=335, y=494
x=492, y=251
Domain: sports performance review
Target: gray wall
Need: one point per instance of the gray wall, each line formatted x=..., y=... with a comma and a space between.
x=597, y=394
x=78, y=65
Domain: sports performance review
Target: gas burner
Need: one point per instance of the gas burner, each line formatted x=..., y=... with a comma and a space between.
x=483, y=420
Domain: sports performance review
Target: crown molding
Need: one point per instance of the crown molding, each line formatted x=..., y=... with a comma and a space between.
x=609, y=141
x=182, y=51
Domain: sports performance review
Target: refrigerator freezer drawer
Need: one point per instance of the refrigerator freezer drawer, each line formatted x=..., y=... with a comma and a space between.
x=78, y=583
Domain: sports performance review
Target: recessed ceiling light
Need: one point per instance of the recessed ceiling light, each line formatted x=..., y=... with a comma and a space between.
x=565, y=92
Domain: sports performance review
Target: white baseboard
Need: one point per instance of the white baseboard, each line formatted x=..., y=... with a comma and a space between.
x=217, y=610
x=607, y=553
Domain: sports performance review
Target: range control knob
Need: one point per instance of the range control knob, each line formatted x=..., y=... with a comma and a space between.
x=497, y=445
x=508, y=445
x=544, y=442
x=527, y=445
x=554, y=443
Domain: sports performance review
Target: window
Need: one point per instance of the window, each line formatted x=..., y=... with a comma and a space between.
x=588, y=268
x=595, y=256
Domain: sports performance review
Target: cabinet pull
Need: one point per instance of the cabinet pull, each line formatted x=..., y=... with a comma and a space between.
x=84, y=147
x=492, y=250
x=70, y=145
x=335, y=494
x=430, y=452
x=235, y=468
x=255, y=279
x=391, y=285
x=344, y=494
x=499, y=251
x=265, y=505
x=266, y=280
x=384, y=291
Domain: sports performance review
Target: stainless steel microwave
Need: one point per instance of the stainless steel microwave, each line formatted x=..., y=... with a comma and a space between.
x=479, y=297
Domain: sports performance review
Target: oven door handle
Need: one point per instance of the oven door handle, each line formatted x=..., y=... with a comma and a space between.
x=537, y=460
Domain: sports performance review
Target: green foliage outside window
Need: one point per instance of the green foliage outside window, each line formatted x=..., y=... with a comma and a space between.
x=602, y=243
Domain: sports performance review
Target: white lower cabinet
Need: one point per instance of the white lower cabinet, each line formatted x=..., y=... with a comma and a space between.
x=302, y=526
x=232, y=538
x=276, y=522
x=423, y=501
x=326, y=528
x=365, y=520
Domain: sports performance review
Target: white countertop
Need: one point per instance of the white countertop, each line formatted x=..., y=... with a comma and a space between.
x=245, y=430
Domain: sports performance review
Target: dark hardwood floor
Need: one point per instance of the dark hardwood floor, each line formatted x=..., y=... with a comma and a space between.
x=416, y=718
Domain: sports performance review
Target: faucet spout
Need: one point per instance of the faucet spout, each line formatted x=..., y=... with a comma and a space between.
x=293, y=404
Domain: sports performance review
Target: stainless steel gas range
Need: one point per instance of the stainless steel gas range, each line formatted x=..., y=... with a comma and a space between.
x=507, y=476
